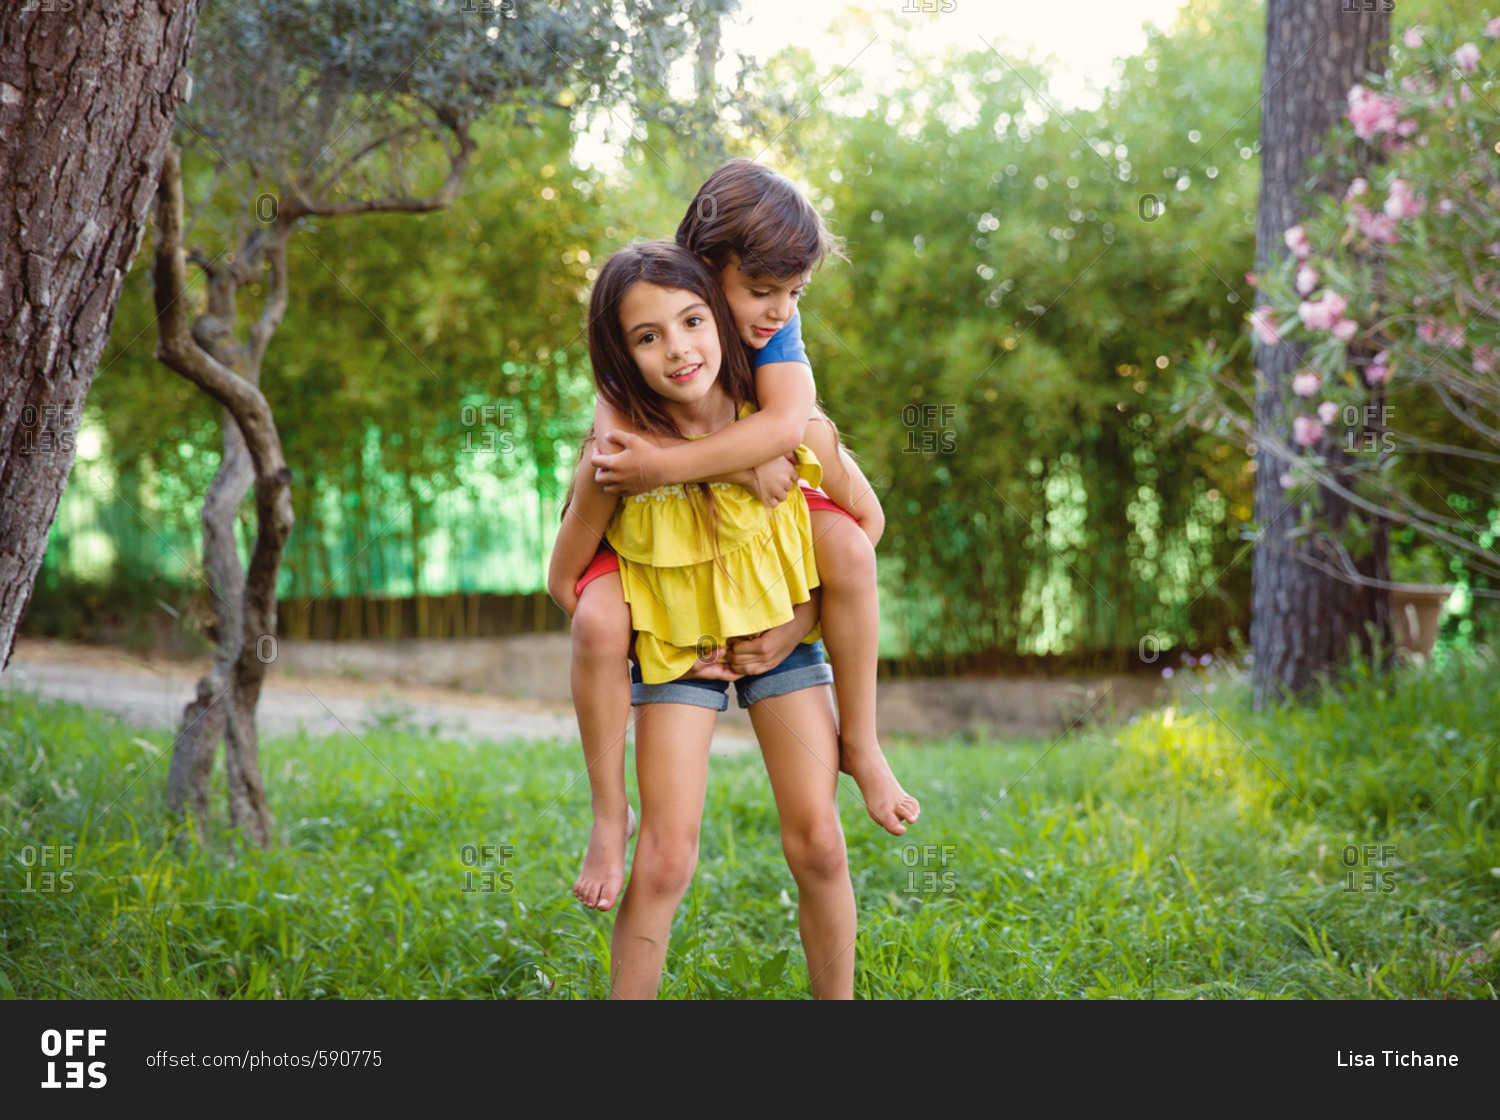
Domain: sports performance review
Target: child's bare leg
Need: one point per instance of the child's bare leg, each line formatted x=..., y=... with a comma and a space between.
x=601, y=696
x=799, y=740
x=850, y=615
x=671, y=765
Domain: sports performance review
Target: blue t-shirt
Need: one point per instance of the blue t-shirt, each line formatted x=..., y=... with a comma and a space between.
x=784, y=346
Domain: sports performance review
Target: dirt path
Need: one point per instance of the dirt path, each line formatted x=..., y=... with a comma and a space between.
x=151, y=692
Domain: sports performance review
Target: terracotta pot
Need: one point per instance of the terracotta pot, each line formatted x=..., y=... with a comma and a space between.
x=1416, y=609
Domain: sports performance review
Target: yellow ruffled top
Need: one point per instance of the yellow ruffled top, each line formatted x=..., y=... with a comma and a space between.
x=680, y=595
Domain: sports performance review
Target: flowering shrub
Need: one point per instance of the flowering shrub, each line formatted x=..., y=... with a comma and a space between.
x=1393, y=285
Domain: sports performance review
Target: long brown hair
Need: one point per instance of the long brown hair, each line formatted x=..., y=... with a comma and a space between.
x=616, y=376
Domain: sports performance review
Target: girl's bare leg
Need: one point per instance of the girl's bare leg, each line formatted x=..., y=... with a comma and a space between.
x=600, y=677
x=671, y=766
x=799, y=740
x=850, y=614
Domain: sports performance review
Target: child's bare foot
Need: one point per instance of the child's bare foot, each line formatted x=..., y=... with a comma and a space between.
x=888, y=804
x=603, y=874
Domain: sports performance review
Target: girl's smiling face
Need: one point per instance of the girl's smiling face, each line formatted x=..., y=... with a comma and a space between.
x=761, y=306
x=672, y=337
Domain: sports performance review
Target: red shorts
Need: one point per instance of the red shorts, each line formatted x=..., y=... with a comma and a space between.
x=605, y=560
x=816, y=499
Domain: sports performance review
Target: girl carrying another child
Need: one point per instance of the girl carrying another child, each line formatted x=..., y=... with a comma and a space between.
x=762, y=239
x=706, y=560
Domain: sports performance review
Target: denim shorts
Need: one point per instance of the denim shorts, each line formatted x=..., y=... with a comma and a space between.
x=805, y=667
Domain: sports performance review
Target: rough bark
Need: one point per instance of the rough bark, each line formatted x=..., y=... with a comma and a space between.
x=207, y=354
x=1303, y=618
x=88, y=96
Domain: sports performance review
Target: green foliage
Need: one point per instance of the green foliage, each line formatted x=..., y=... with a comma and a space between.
x=1200, y=851
x=1001, y=350
x=428, y=383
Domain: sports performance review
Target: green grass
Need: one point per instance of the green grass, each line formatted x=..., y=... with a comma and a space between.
x=1196, y=853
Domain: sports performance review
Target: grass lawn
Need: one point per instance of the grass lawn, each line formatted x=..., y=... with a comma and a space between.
x=1343, y=850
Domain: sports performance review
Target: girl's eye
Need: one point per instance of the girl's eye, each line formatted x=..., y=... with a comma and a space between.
x=760, y=295
x=694, y=320
x=646, y=339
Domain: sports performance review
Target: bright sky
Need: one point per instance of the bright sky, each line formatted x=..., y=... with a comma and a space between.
x=1085, y=36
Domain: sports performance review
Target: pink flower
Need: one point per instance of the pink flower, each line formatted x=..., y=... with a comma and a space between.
x=1377, y=373
x=1412, y=38
x=1321, y=314
x=1433, y=331
x=1492, y=29
x=1484, y=359
x=1328, y=412
x=1250, y=279
x=1370, y=113
x=1377, y=227
x=1465, y=93
x=1286, y=480
x=1307, y=279
x=1306, y=430
x=1306, y=383
x=1266, y=327
x=1357, y=188
x=1345, y=329
x=1401, y=203
x=1445, y=206
x=1296, y=241
x=1466, y=58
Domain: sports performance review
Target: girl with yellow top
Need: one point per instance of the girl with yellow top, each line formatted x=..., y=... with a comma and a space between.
x=703, y=564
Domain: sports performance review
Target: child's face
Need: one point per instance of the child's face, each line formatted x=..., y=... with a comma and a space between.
x=761, y=305
x=672, y=336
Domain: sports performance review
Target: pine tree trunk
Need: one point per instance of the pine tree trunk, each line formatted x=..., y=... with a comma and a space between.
x=1303, y=619
x=88, y=96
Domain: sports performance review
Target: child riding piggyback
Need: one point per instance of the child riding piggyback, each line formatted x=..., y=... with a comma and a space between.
x=763, y=240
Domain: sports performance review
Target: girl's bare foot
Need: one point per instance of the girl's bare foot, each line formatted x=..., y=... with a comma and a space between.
x=888, y=804
x=603, y=874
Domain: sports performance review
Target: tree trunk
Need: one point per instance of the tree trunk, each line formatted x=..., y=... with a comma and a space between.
x=87, y=101
x=205, y=720
x=245, y=608
x=1303, y=619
